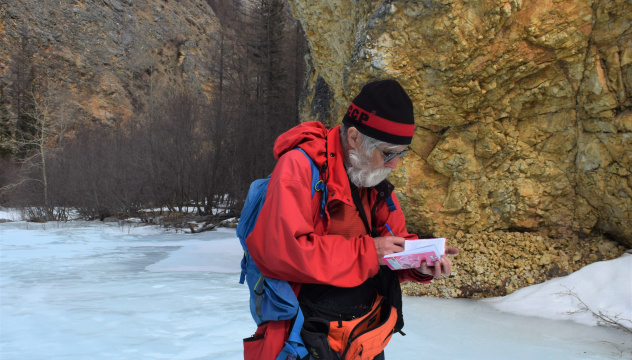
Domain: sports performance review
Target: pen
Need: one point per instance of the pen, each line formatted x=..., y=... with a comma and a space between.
x=389, y=229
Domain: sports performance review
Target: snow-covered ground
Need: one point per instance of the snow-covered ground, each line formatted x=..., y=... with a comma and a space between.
x=91, y=290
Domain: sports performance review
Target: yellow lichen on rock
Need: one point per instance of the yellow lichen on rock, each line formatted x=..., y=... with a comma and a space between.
x=522, y=108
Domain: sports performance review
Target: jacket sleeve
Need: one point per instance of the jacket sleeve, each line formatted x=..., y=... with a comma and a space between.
x=397, y=222
x=284, y=245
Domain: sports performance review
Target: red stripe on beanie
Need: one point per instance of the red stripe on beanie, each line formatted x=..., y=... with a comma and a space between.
x=360, y=116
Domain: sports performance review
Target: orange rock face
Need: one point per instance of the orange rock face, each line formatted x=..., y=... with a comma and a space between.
x=523, y=108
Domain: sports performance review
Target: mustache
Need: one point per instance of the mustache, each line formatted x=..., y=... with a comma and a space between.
x=361, y=173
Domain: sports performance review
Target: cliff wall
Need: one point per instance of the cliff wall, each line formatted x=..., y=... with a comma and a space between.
x=523, y=108
x=111, y=56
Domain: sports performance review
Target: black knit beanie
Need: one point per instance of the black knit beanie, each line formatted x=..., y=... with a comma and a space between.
x=384, y=112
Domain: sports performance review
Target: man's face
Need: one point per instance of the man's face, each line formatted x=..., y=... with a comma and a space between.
x=367, y=168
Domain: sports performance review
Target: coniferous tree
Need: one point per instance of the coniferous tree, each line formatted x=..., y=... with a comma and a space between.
x=273, y=95
x=23, y=89
x=7, y=128
x=262, y=75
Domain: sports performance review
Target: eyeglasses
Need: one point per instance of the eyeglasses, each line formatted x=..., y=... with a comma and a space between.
x=391, y=155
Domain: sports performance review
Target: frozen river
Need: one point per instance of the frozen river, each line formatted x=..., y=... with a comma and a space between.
x=88, y=290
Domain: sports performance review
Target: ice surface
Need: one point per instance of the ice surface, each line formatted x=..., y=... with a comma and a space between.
x=88, y=290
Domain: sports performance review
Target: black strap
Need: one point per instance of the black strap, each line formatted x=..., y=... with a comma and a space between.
x=386, y=280
x=358, y=203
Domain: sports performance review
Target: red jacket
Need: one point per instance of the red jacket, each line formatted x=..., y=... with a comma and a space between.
x=290, y=240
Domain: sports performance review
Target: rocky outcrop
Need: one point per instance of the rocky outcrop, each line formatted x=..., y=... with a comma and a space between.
x=111, y=56
x=499, y=262
x=523, y=108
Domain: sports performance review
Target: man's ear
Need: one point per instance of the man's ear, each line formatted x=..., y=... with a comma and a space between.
x=353, y=137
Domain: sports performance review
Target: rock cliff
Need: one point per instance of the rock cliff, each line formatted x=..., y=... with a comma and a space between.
x=111, y=56
x=523, y=108
x=523, y=153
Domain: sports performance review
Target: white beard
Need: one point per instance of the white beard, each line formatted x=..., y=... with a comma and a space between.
x=361, y=173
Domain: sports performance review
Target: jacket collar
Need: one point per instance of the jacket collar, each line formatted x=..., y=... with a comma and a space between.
x=325, y=149
x=336, y=174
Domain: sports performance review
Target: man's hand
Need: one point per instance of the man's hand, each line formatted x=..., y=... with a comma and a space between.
x=388, y=245
x=442, y=267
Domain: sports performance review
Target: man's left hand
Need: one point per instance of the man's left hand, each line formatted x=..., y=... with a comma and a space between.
x=441, y=267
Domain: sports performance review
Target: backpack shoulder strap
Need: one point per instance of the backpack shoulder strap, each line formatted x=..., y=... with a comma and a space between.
x=294, y=346
x=317, y=184
x=315, y=172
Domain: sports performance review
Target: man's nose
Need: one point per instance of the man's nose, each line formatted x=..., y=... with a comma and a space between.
x=392, y=163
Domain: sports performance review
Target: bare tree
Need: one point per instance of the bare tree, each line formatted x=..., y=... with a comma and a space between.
x=48, y=121
x=177, y=148
x=89, y=160
x=602, y=317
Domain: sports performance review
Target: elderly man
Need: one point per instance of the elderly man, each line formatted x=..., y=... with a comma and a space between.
x=330, y=246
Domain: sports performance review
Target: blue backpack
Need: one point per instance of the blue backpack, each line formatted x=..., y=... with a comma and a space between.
x=272, y=299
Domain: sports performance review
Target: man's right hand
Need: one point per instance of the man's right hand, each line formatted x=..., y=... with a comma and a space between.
x=387, y=245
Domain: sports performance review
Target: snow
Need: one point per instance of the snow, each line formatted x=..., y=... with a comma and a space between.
x=603, y=286
x=92, y=290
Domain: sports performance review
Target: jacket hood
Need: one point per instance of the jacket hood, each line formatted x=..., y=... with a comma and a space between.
x=323, y=146
x=310, y=136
